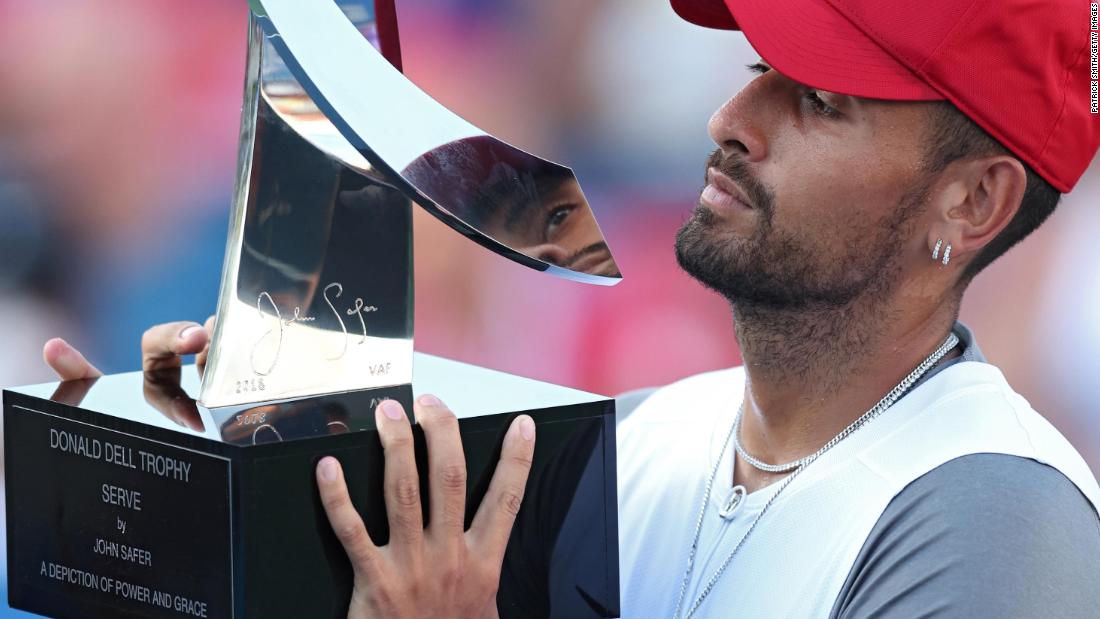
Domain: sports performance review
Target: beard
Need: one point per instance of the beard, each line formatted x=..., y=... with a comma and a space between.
x=775, y=269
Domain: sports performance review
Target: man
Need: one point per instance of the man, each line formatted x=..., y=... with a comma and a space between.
x=865, y=461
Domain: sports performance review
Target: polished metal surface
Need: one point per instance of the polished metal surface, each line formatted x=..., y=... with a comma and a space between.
x=523, y=207
x=166, y=399
x=316, y=292
x=336, y=144
x=529, y=204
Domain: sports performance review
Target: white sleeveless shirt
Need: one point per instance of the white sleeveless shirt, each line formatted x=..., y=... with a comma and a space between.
x=796, y=560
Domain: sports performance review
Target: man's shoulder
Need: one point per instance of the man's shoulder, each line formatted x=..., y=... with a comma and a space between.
x=983, y=533
x=992, y=489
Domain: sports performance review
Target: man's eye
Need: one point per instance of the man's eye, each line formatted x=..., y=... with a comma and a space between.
x=820, y=106
x=556, y=218
x=758, y=67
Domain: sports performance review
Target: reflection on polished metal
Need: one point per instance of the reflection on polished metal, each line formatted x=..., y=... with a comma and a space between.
x=394, y=124
x=529, y=204
x=316, y=292
x=336, y=144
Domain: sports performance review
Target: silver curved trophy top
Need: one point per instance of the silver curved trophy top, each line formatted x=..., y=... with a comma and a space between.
x=316, y=293
x=342, y=95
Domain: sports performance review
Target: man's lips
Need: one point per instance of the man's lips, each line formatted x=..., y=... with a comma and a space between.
x=722, y=192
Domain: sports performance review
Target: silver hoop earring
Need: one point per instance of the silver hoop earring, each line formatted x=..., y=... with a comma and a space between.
x=936, y=250
x=947, y=254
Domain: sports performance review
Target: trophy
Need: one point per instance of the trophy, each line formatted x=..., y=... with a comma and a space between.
x=190, y=492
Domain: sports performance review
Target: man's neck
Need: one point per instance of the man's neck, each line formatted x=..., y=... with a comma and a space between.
x=811, y=373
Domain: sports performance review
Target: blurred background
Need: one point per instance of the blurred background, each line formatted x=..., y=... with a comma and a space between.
x=118, y=137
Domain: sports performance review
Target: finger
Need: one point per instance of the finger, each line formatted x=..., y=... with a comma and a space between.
x=401, y=485
x=492, y=525
x=345, y=521
x=67, y=361
x=162, y=345
x=446, y=467
x=200, y=358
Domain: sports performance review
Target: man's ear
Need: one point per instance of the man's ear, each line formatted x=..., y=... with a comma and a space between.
x=982, y=196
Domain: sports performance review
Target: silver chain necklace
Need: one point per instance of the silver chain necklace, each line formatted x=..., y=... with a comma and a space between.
x=760, y=464
x=799, y=466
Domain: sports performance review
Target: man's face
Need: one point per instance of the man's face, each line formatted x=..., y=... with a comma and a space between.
x=554, y=223
x=834, y=189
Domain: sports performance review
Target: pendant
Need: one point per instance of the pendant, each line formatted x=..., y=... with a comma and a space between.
x=737, y=497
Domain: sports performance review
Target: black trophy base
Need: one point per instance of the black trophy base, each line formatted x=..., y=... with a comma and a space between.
x=124, y=499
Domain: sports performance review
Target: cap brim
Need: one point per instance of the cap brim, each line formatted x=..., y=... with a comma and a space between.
x=812, y=43
x=706, y=13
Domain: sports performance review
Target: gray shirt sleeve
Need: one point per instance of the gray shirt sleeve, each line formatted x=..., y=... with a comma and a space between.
x=984, y=535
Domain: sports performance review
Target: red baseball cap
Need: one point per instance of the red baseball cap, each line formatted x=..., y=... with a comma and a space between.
x=1018, y=68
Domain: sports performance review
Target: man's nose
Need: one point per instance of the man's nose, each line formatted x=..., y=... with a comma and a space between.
x=548, y=252
x=735, y=127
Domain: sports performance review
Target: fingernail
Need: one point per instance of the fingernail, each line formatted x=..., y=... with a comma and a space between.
x=189, y=331
x=328, y=468
x=392, y=409
x=527, y=428
x=429, y=400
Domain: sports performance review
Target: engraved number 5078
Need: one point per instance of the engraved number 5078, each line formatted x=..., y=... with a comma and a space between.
x=248, y=419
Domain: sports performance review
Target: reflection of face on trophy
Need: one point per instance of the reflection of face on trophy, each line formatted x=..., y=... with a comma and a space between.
x=529, y=204
x=316, y=292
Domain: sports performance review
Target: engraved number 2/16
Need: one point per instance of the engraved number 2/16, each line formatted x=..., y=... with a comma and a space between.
x=250, y=384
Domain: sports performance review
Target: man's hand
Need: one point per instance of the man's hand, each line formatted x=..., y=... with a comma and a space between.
x=67, y=361
x=440, y=571
x=161, y=348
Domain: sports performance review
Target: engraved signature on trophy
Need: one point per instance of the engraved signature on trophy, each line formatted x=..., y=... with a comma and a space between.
x=358, y=310
x=278, y=330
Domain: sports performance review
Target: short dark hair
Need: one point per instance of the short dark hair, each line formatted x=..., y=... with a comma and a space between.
x=953, y=136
